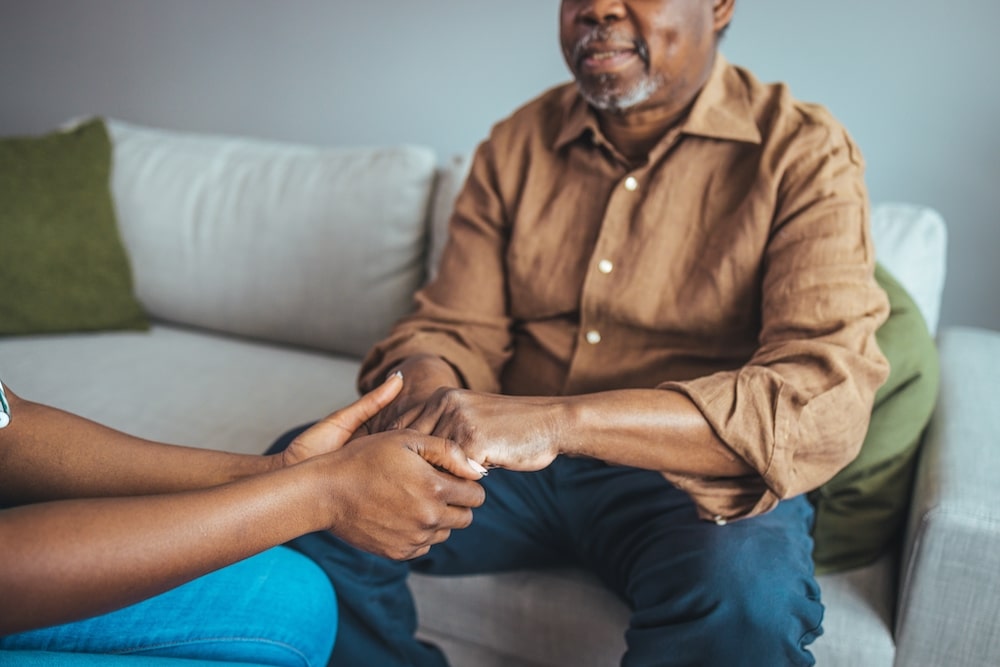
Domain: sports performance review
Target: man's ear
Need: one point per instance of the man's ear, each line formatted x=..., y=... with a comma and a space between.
x=723, y=12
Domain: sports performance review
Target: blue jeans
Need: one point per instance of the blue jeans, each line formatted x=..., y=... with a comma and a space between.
x=700, y=594
x=276, y=608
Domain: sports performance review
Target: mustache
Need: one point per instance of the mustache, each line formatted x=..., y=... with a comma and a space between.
x=607, y=35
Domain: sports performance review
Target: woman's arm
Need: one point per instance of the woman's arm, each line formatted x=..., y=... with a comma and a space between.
x=69, y=559
x=48, y=454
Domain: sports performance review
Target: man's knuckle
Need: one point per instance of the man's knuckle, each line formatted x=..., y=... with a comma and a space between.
x=428, y=518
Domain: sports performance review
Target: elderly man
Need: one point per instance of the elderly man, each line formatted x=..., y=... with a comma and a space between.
x=655, y=318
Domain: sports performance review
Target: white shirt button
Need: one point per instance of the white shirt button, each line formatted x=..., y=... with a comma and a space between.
x=719, y=520
x=605, y=266
x=631, y=184
x=593, y=337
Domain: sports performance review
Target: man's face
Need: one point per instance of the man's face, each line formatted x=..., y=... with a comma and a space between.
x=640, y=54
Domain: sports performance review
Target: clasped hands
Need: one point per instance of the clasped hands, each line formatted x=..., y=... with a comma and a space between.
x=514, y=432
x=401, y=465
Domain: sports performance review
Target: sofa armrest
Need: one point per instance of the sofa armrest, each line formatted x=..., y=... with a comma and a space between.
x=949, y=597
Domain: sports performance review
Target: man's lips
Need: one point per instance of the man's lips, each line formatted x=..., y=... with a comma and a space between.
x=607, y=60
x=599, y=56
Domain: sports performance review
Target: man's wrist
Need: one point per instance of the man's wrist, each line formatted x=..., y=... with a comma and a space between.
x=566, y=426
x=427, y=369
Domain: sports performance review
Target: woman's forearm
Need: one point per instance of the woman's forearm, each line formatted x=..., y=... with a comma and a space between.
x=70, y=559
x=49, y=454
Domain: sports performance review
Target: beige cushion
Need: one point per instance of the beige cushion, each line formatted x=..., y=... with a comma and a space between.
x=450, y=182
x=180, y=385
x=321, y=247
x=911, y=242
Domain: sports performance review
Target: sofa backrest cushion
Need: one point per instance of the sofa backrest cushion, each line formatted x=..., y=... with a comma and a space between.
x=317, y=247
x=63, y=266
x=911, y=242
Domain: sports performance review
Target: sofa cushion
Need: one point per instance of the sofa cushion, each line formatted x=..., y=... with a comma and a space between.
x=180, y=385
x=911, y=242
x=320, y=247
x=450, y=181
x=62, y=263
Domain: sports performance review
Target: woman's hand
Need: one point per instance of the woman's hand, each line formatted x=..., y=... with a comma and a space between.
x=332, y=432
x=397, y=493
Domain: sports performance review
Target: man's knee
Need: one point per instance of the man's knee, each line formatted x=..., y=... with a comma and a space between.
x=742, y=594
x=765, y=620
x=752, y=621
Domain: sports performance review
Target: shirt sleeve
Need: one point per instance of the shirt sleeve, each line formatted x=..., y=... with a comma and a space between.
x=462, y=316
x=4, y=407
x=798, y=411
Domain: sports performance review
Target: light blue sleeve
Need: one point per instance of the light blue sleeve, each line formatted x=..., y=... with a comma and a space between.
x=4, y=408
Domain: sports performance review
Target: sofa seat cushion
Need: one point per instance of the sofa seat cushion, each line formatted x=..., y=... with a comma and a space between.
x=526, y=614
x=529, y=614
x=320, y=247
x=178, y=385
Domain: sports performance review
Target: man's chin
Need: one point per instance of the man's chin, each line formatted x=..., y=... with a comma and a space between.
x=607, y=97
x=613, y=100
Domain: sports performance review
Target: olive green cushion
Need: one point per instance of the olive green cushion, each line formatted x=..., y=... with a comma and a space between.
x=63, y=266
x=861, y=511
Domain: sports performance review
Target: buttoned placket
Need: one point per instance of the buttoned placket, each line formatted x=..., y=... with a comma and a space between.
x=600, y=282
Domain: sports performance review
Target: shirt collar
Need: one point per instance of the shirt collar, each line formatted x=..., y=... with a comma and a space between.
x=721, y=110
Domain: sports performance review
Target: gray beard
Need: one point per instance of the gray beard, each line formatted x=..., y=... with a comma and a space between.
x=604, y=97
x=603, y=94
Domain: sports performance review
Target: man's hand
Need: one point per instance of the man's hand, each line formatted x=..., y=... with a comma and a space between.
x=424, y=374
x=514, y=432
x=397, y=493
x=332, y=432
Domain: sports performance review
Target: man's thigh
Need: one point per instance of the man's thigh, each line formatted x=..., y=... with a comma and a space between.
x=701, y=594
x=519, y=526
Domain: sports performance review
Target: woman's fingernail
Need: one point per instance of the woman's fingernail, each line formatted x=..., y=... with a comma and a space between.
x=478, y=468
x=398, y=374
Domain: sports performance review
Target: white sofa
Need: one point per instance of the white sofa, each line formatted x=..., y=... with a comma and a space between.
x=268, y=269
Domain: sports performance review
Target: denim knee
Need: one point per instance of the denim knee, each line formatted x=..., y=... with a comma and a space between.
x=749, y=620
x=741, y=594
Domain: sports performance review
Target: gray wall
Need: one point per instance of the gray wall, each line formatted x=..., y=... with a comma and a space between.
x=915, y=84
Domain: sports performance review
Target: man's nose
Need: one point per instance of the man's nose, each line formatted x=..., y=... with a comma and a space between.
x=597, y=12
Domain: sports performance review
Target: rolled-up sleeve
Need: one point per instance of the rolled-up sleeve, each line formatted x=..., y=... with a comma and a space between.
x=798, y=410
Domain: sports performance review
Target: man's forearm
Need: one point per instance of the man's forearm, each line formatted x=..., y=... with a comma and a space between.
x=646, y=428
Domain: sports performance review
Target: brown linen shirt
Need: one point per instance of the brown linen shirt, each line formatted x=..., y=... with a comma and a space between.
x=735, y=266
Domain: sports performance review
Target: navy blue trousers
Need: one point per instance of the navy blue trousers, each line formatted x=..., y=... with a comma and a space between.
x=700, y=594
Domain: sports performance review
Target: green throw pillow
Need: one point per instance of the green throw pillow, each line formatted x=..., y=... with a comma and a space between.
x=62, y=263
x=860, y=512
